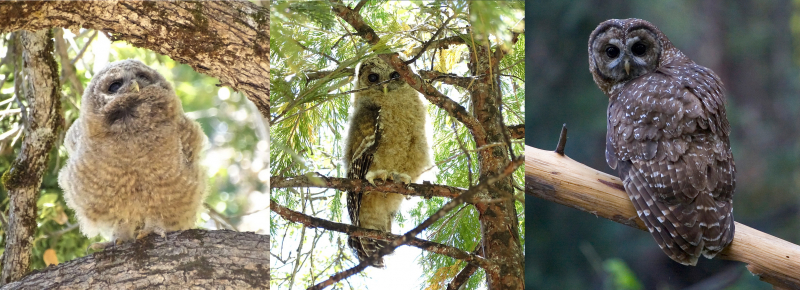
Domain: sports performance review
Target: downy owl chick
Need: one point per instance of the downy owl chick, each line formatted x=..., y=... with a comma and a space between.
x=668, y=137
x=386, y=139
x=133, y=165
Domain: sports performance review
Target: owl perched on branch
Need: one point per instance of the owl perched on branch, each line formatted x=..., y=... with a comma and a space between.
x=134, y=165
x=386, y=140
x=667, y=137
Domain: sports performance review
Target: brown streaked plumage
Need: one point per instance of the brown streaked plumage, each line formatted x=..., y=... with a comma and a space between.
x=386, y=140
x=133, y=165
x=668, y=137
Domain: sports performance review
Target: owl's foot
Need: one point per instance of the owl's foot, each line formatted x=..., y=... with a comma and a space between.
x=153, y=230
x=401, y=177
x=377, y=174
x=103, y=245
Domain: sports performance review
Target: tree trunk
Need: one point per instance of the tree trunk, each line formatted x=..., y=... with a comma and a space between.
x=499, y=223
x=42, y=120
x=192, y=259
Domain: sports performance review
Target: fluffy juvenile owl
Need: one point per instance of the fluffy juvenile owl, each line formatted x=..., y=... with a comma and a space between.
x=133, y=165
x=667, y=137
x=386, y=140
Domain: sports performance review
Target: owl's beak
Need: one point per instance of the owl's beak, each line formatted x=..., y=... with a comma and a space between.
x=385, y=89
x=627, y=67
x=135, y=85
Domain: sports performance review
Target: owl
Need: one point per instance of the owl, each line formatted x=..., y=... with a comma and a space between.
x=133, y=166
x=386, y=140
x=668, y=137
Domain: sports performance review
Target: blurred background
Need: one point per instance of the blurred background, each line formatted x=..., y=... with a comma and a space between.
x=236, y=158
x=752, y=46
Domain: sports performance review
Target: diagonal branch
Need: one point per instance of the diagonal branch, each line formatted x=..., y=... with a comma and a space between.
x=228, y=40
x=314, y=222
x=415, y=81
x=558, y=178
x=517, y=131
x=425, y=190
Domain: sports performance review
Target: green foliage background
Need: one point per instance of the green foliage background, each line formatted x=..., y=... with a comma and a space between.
x=309, y=116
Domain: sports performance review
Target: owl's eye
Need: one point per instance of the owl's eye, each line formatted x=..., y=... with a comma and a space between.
x=612, y=51
x=395, y=75
x=372, y=77
x=143, y=77
x=638, y=49
x=114, y=87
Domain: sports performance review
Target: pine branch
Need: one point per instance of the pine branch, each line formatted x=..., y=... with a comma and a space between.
x=558, y=178
x=426, y=190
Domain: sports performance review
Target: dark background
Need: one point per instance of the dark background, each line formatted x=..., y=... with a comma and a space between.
x=752, y=46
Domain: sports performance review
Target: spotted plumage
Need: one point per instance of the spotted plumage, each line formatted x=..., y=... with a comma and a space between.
x=667, y=136
x=386, y=139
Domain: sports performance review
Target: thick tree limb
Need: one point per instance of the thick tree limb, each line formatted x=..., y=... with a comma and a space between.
x=192, y=259
x=314, y=222
x=228, y=40
x=562, y=180
x=42, y=123
x=425, y=190
x=415, y=81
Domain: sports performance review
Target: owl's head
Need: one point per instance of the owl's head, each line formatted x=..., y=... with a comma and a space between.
x=623, y=49
x=376, y=75
x=129, y=96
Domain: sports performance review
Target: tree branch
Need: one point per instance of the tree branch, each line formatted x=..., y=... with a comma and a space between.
x=415, y=81
x=228, y=40
x=42, y=124
x=440, y=43
x=447, y=78
x=314, y=222
x=562, y=180
x=191, y=259
x=517, y=131
x=425, y=190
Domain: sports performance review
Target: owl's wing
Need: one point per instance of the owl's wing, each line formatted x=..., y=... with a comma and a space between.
x=192, y=139
x=668, y=138
x=359, y=166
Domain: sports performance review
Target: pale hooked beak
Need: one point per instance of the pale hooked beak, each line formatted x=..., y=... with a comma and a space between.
x=135, y=86
x=385, y=89
x=627, y=67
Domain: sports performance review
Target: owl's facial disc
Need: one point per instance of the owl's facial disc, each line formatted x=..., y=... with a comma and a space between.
x=621, y=55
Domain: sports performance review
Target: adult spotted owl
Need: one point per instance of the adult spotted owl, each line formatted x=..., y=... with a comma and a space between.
x=133, y=165
x=386, y=139
x=667, y=137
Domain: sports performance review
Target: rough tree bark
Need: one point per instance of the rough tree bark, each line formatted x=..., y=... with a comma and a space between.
x=42, y=123
x=192, y=259
x=228, y=40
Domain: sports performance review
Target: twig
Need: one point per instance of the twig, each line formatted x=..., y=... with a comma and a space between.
x=562, y=140
x=425, y=190
x=339, y=276
x=428, y=43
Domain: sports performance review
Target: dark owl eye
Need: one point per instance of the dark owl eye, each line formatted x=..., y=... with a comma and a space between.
x=612, y=51
x=395, y=75
x=638, y=49
x=372, y=77
x=114, y=87
x=143, y=77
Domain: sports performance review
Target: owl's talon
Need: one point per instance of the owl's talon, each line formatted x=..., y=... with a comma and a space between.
x=401, y=177
x=377, y=174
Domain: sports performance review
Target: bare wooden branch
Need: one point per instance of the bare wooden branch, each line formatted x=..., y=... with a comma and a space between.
x=228, y=40
x=192, y=259
x=425, y=190
x=440, y=43
x=562, y=180
x=42, y=125
x=447, y=78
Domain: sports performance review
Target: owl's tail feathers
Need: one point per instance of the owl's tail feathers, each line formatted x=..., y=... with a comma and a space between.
x=365, y=248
